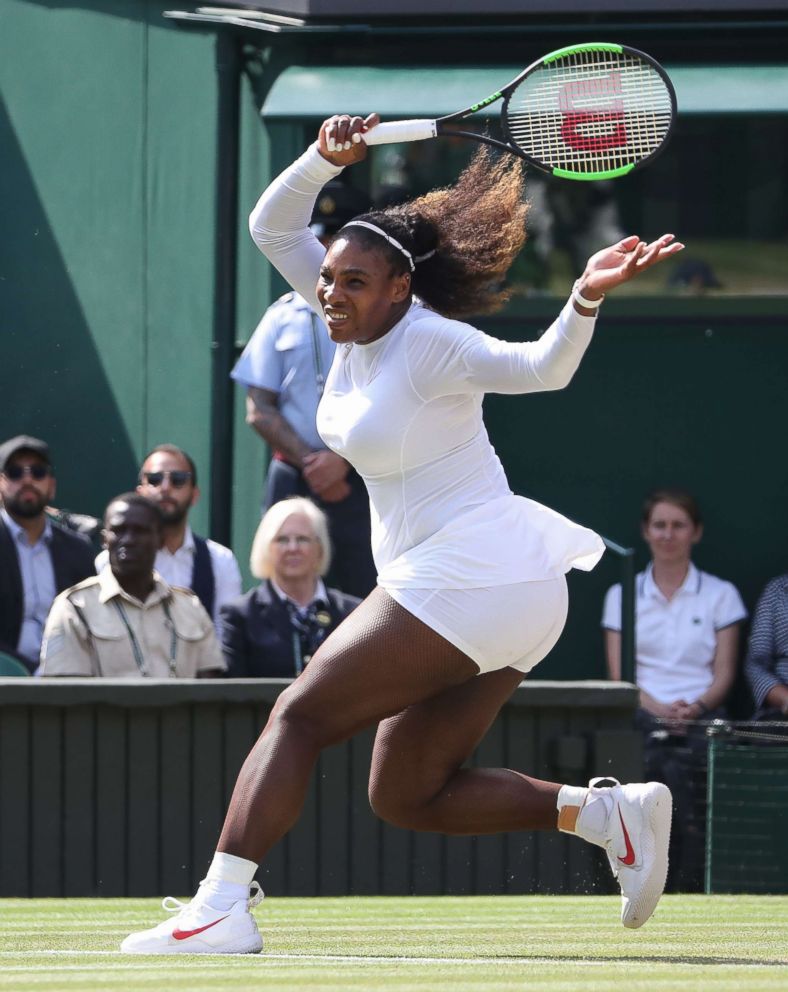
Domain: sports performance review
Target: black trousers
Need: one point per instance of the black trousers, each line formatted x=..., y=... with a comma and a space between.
x=352, y=568
x=680, y=761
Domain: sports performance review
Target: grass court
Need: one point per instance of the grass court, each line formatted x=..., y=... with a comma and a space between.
x=484, y=944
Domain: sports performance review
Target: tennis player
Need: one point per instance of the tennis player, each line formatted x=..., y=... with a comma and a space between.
x=471, y=592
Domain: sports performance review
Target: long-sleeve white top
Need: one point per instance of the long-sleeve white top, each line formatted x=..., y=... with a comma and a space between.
x=406, y=412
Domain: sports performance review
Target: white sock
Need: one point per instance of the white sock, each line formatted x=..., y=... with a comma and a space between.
x=572, y=795
x=582, y=812
x=228, y=880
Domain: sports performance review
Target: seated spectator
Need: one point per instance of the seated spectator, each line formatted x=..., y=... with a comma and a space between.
x=687, y=638
x=766, y=665
x=127, y=622
x=38, y=559
x=168, y=477
x=273, y=631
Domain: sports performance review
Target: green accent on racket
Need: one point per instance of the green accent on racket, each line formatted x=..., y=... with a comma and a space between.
x=610, y=174
x=596, y=46
x=591, y=111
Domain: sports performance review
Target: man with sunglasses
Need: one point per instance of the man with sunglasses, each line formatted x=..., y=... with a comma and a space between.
x=38, y=559
x=168, y=478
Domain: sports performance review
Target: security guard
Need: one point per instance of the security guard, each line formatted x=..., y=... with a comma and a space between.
x=284, y=367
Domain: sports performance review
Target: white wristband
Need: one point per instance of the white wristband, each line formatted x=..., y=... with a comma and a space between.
x=589, y=304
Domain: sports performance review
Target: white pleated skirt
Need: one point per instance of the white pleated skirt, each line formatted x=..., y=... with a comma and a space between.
x=492, y=581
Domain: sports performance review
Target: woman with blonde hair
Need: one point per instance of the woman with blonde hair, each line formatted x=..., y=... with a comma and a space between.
x=273, y=631
x=471, y=592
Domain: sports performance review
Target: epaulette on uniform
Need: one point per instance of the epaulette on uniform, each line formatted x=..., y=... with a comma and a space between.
x=87, y=583
x=285, y=298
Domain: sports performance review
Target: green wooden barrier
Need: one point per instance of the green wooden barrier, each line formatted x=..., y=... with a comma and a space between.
x=119, y=789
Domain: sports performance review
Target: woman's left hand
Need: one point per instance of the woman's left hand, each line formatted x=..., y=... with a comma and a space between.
x=619, y=263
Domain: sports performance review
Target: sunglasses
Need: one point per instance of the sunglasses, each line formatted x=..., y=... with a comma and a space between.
x=178, y=478
x=17, y=472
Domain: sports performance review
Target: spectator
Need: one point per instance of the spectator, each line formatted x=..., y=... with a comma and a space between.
x=168, y=477
x=274, y=630
x=38, y=559
x=687, y=638
x=127, y=622
x=766, y=666
x=284, y=367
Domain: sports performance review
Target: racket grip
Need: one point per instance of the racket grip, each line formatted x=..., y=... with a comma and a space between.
x=388, y=134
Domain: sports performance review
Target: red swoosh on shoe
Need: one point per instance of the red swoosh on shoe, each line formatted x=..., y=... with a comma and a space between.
x=629, y=858
x=183, y=934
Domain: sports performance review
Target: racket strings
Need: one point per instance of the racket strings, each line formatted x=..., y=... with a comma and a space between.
x=590, y=112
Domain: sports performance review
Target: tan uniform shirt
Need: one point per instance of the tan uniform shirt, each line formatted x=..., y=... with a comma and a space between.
x=95, y=628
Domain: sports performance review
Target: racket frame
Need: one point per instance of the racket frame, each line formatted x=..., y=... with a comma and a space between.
x=505, y=93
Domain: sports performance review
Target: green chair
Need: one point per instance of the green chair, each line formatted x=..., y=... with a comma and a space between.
x=10, y=666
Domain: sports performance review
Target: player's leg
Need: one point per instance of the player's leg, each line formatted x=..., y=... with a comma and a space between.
x=417, y=780
x=380, y=660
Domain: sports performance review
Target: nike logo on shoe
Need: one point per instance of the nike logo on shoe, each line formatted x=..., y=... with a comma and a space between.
x=629, y=857
x=184, y=934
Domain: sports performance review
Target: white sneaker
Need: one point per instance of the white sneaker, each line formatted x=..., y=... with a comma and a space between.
x=198, y=928
x=635, y=833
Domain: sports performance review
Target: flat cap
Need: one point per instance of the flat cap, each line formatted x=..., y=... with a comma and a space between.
x=23, y=442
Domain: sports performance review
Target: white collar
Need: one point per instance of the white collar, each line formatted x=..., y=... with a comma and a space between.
x=690, y=585
x=109, y=588
x=320, y=594
x=187, y=546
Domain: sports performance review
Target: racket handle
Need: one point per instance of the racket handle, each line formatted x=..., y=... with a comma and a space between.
x=389, y=134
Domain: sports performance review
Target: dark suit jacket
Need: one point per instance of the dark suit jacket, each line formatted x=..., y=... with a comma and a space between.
x=257, y=638
x=72, y=560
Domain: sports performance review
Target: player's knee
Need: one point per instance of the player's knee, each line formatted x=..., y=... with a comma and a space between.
x=294, y=714
x=391, y=804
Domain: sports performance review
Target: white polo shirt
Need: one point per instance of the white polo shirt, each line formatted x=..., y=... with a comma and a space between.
x=676, y=638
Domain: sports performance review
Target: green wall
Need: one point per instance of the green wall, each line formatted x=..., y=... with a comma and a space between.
x=108, y=147
x=660, y=399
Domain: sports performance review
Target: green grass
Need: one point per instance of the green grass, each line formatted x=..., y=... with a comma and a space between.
x=538, y=943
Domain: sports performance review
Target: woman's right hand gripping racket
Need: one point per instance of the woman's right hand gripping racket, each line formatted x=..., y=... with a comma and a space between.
x=591, y=111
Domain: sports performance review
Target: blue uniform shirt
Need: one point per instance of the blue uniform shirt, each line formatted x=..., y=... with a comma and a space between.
x=290, y=353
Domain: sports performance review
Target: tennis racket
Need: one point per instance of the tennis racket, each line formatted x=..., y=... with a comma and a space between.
x=591, y=111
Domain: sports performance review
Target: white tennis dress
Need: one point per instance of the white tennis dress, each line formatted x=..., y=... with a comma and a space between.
x=452, y=544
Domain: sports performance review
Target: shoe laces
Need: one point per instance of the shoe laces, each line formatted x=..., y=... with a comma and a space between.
x=172, y=905
x=256, y=895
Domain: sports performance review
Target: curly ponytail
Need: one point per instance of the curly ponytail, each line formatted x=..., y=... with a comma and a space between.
x=463, y=238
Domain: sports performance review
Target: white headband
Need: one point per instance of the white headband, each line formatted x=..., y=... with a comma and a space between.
x=392, y=241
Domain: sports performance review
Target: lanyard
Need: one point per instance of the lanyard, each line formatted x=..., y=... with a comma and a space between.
x=298, y=657
x=139, y=658
x=320, y=379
